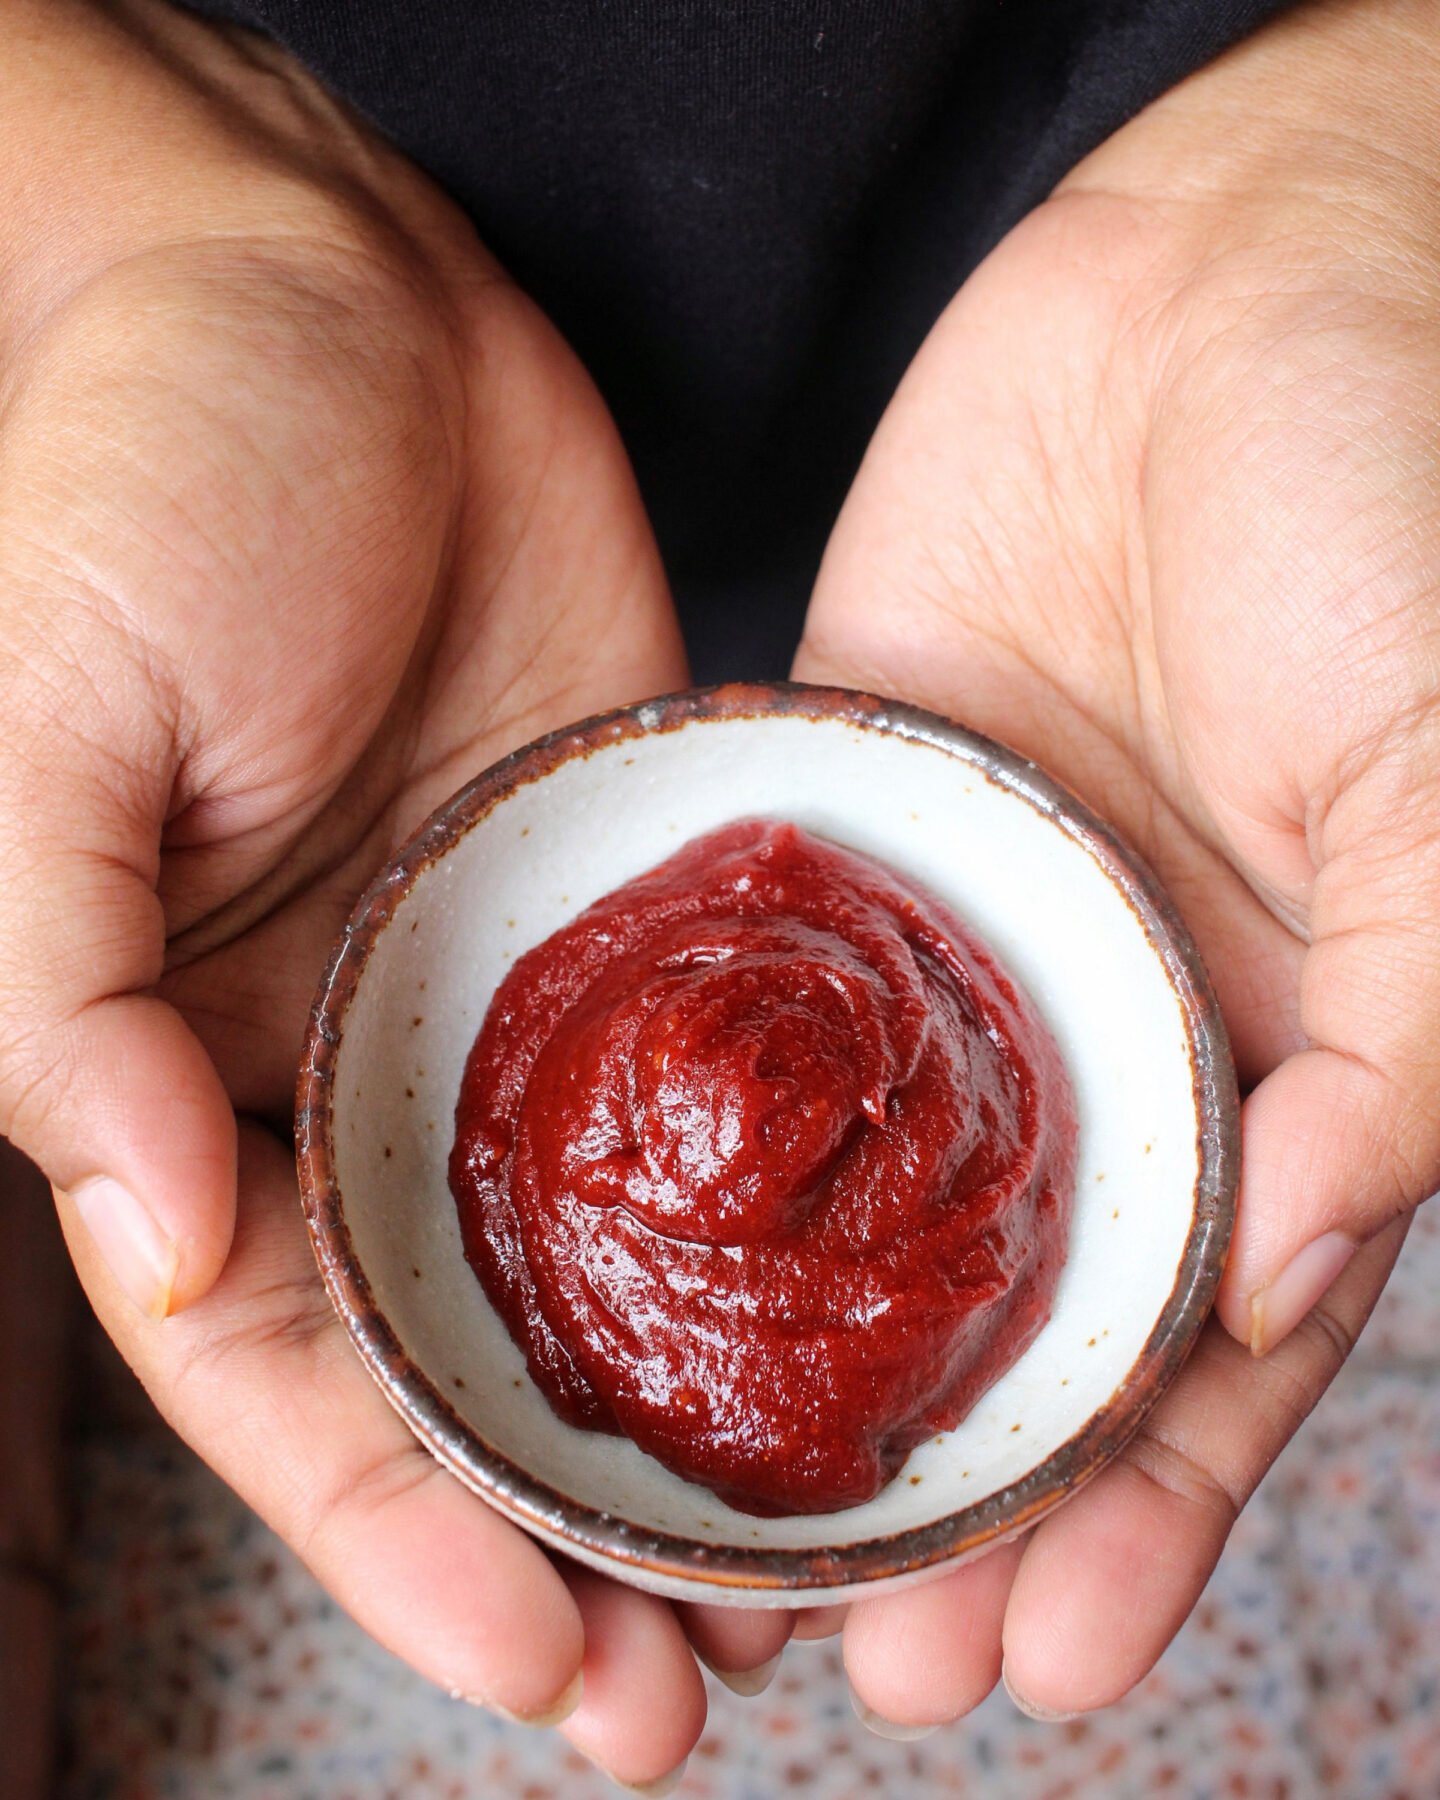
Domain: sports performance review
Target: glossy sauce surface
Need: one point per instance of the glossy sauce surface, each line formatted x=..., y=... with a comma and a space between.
x=767, y=1165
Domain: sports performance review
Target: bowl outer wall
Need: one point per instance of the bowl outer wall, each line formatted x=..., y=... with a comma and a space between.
x=679, y=1566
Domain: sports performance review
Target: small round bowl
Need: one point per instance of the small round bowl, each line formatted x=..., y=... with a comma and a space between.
x=1072, y=913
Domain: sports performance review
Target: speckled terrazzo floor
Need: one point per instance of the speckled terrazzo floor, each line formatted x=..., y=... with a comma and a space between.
x=204, y=1662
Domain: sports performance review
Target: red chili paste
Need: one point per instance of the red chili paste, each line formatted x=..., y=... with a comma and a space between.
x=768, y=1166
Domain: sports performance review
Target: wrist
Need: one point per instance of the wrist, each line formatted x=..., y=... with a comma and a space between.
x=1322, y=127
x=136, y=128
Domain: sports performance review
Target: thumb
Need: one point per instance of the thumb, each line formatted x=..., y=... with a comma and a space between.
x=1344, y=1136
x=101, y=1083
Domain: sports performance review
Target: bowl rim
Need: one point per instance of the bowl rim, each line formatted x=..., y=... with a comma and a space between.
x=647, y=1551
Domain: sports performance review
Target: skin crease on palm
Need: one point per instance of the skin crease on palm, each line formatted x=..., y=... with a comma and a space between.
x=306, y=515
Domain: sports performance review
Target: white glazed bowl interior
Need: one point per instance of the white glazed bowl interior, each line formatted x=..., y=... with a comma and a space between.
x=554, y=844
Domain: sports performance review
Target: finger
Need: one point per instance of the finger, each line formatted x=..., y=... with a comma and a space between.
x=930, y=1654
x=261, y=1380
x=815, y=1623
x=739, y=1645
x=1106, y=1582
x=644, y=1704
x=1344, y=1137
x=101, y=1084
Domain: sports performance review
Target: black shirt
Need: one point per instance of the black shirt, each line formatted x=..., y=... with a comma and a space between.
x=745, y=214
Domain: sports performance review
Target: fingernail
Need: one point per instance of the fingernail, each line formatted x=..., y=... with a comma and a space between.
x=556, y=1713
x=137, y=1253
x=1043, y=1715
x=657, y=1789
x=559, y=1709
x=746, y=1682
x=1275, y=1310
x=887, y=1728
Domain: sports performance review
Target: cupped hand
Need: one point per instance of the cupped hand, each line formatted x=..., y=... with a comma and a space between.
x=1158, y=503
x=305, y=516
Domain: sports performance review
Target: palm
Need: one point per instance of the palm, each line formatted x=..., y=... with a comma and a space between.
x=1120, y=519
x=998, y=560
x=515, y=588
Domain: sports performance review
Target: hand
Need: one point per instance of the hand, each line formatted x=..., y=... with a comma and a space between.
x=305, y=516
x=1158, y=503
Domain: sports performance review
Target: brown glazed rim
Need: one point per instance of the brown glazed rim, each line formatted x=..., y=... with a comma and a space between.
x=642, y=1549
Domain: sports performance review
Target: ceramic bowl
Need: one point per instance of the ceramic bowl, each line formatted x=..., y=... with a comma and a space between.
x=1071, y=912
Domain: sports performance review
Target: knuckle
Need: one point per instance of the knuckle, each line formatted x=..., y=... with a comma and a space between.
x=1291, y=1379
x=282, y=1318
x=35, y=1072
x=1330, y=1341
x=1415, y=1152
x=354, y=1495
x=1179, y=1474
